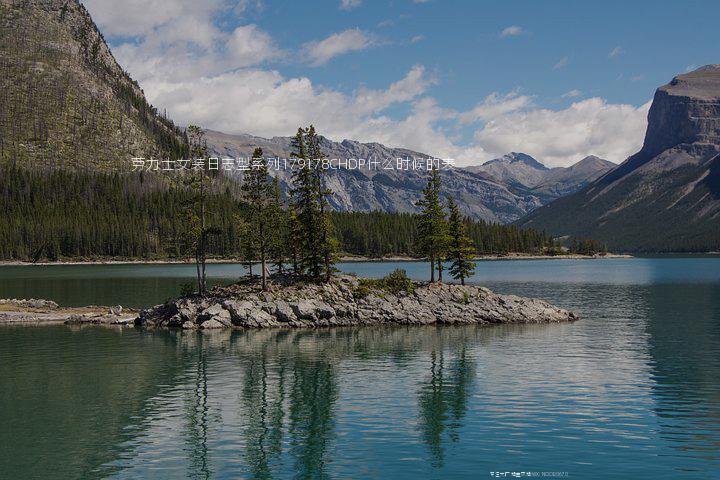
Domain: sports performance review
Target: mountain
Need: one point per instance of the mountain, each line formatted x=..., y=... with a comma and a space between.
x=501, y=190
x=479, y=195
x=666, y=197
x=65, y=100
x=514, y=168
x=548, y=183
x=66, y=103
x=560, y=181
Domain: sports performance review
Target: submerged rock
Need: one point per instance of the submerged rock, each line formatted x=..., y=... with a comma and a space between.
x=348, y=301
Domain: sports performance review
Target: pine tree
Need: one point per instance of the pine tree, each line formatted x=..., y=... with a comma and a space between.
x=461, y=250
x=309, y=200
x=258, y=196
x=306, y=206
x=325, y=244
x=197, y=228
x=432, y=227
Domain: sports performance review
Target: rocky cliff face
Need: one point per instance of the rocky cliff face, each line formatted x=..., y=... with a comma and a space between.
x=666, y=197
x=502, y=193
x=65, y=100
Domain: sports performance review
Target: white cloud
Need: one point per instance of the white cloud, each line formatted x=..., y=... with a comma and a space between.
x=220, y=79
x=615, y=52
x=561, y=63
x=138, y=17
x=495, y=105
x=572, y=94
x=417, y=38
x=352, y=40
x=349, y=4
x=559, y=138
x=248, y=45
x=511, y=31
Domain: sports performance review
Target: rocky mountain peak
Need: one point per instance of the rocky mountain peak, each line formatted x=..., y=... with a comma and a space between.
x=666, y=197
x=518, y=157
x=685, y=111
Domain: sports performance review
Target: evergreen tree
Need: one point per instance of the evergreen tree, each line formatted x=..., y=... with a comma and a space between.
x=432, y=227
x=316, y=249
x=258, y=195
x=461, y=250
x=325, y=243
x=306, y=207
x=198, y=230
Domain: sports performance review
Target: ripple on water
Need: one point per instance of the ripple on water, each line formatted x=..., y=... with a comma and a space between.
x=633, y=384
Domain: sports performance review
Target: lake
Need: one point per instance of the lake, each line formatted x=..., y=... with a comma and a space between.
x=630, y=391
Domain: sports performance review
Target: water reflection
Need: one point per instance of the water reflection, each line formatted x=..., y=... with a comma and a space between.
x=442, y=400
x=684, y=341
x=633, y=384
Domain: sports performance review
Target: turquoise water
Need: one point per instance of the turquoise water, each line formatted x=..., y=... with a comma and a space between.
x=141, y=286
x=630, y=391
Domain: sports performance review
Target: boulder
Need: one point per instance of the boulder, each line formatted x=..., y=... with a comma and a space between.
x=216, y=312
x=212, y=323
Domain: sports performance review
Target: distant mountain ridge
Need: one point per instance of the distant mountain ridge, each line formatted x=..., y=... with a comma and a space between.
x=481, y=194
x=549, y=183
x=666, y=197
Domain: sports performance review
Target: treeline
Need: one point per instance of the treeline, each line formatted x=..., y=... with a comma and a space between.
x=378, y=234
x=61, y=213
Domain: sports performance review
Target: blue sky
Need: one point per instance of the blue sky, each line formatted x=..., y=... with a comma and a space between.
x=470, y=80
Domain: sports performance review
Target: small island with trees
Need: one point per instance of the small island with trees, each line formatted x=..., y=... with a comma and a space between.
x=294, y=239
x=297, y=241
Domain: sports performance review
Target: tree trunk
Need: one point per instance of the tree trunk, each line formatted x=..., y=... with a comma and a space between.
x=197, y=266
x=440, y=270
x=202, y=232
x=263, y=267
x=432, y=269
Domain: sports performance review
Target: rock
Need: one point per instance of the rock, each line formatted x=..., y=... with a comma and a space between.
x=75, y=320
x=304, y=309
x=215, y=312
x=212, y=323
x=30, y=303
x=334, y=304
x=117, y=310
x=239, y=310
x=284, y=313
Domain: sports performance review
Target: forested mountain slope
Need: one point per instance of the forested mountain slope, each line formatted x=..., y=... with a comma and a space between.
x=65, y=100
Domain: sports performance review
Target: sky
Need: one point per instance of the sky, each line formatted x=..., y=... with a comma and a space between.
x=467, y=80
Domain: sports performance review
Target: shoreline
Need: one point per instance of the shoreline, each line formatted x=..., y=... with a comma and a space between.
x=342, y=259
x=346, y=300
x=32, y=312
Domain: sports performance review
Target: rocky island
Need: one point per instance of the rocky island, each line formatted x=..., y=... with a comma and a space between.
x=348, y=301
